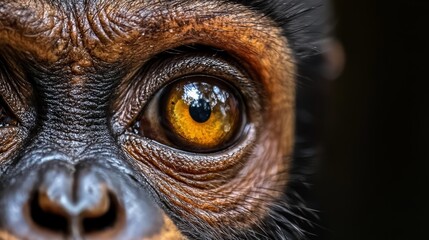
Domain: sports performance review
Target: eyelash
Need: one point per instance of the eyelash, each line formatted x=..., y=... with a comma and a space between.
x=170, y=117
x=174, y=64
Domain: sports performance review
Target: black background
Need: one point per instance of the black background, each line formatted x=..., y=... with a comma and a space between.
x=374, y=173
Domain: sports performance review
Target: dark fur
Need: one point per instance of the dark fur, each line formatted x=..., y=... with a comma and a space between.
x=308, y=27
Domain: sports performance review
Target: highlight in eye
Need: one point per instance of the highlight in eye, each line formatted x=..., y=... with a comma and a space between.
x=198, y=113
x=201, y=113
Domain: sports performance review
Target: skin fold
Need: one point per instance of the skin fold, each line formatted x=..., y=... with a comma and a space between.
x=85, y=152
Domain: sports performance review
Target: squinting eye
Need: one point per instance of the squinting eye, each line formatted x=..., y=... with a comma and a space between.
x=197, y=113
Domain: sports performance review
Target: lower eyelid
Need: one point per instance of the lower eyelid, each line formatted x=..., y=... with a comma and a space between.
x=176, y=67
x=173, y=125
x=143, y=149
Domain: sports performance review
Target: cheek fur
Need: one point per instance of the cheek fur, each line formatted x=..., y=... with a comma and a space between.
x=242, y=192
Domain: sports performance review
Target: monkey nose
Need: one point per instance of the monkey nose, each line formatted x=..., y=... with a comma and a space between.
x=52, y=202
x=87, y=200
x=75, y=203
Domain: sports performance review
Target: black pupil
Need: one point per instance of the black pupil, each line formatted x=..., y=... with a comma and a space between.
x=200, y=110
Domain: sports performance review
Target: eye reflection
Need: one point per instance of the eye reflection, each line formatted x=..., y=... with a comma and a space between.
x=202, y=98
x=200, y=110
x=201, y=113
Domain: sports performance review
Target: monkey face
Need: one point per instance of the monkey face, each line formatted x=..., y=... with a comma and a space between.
x=145, y=120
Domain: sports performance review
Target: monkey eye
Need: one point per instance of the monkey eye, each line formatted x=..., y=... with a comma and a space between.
x=7, y=118
x=198, y=113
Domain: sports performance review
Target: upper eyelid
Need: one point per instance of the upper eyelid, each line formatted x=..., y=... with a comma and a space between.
x=189, y=63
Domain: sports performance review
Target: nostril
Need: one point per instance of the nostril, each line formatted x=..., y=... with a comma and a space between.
x=49, y=220
x=93, y=221
x=109, y=219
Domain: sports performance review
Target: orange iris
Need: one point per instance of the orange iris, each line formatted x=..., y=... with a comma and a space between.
x=202, y=114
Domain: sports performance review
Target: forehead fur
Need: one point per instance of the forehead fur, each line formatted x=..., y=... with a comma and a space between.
x=305, y=22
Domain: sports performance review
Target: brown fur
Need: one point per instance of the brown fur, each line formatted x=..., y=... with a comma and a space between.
x=251, y=175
